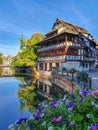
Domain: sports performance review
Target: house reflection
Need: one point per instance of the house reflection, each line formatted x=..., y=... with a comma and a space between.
x=5, y=71
x=32, y=91
x=49, y=90
x=44, y=88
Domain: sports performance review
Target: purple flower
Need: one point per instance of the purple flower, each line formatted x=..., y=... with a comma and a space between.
x=72, y=95
x=84, y=92
x=94, y=127
x=37, y=116
x=21, y=120
x=81, y=100
x=18, y=122
x=72, y=124
x=40, y=109
x=53, y=104
x=64, y=101
x=53, y=120
x=71, y=105
x=57, y=119
x=30, y=126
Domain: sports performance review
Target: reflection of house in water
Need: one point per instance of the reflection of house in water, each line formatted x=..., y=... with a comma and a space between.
x=6, y=65
x=7, y=60
x=43, y=88
x=63, y=83
x=48, y=90
x=6, y=71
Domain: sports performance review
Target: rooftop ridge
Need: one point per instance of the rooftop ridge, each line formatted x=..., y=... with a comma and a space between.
x=71, y=24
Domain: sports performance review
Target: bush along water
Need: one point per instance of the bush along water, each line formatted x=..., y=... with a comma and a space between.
x=76, y=111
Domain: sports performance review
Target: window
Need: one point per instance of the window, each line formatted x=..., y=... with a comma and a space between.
x=45, y=87
x=72, y=51
x=68, y=57
x=40, y=85
x=50, y=66
x=57, y=65
x=83, y=65
x=45, y=66
x=69, y=38
x=40, y=66
x=86, y=65
x=74, y=57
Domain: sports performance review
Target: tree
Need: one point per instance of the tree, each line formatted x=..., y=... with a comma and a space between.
x=1, y=60
x=28, y=51
x=1, y=71
x=27, y=93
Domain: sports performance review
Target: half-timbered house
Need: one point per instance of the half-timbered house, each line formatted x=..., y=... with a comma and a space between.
x=66, y=46
x=96, y=59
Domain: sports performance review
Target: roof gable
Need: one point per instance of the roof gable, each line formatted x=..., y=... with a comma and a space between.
x=60, y=26
x=57, y=24
x=70, y=28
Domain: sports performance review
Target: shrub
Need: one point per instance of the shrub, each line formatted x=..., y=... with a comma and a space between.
x=82, y=79
x=76, y=111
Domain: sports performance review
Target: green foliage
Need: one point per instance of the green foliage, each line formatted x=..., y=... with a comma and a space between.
x=22, y=41
x=82, y=78
x=28, y=51
x=1, y=54
x=65, y=114
x=1, y=70
x=72, y=71
x=26, y=94
x=1, y=60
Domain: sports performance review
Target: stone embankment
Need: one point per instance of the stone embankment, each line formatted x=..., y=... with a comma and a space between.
x=63, y=82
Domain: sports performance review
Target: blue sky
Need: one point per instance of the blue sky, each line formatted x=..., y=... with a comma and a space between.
x=29, y=16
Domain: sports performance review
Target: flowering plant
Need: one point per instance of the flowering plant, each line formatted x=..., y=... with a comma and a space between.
x=76, y=111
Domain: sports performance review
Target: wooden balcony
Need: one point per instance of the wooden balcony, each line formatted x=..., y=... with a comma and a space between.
x=72, y=53
x=52, y=54
x=40, y=68
x=53, y=47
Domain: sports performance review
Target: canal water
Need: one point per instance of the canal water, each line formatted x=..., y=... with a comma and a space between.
x=9, y=102
x=19, y=95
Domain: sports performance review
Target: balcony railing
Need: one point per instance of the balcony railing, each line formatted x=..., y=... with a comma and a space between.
x=40, y=68
x=89, y=59
x=73, y=53
x=51, y=54
x=51, y=47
